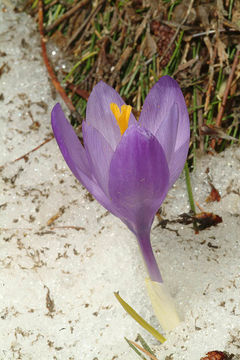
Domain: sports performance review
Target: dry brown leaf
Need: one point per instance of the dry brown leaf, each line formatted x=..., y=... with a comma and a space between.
x=223, y=56
x=203, y=15
x=206, y=219
x=150, y=46
x=220, y=9
x=217, y=355
x=141, y=27
x=180, y=11
x=214, y=194
x=236, y=13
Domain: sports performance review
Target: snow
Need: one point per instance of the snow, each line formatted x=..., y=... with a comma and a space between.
x=62, y=255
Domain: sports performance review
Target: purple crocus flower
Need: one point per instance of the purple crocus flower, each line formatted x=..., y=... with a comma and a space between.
x=129, y=165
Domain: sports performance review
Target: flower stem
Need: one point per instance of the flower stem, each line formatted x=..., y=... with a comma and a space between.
x=162, y=302
x=189, y=188
x=149, y=258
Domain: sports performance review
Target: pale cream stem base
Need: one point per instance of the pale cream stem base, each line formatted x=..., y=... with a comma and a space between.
x=163, y=305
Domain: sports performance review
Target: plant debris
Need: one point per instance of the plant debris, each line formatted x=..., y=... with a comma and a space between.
x=131, y=44
x=218, y=355
x=214, y=194
x=201, y=221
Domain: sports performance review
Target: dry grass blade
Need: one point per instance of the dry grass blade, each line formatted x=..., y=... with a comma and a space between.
x=87, y=21
x=230, y=79
x=177, y=30
x=226, y=92
x=152, y=357
x=67, y=15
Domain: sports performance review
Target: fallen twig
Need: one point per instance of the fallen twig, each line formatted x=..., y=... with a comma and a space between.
x=25, y=156
x=77, y=228
x=31, y=151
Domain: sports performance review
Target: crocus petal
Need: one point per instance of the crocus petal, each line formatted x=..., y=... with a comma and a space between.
x=75, y=155
x=138, y=178
x=177, y=163
x=157, y=105
x=99, y=153
x=167, y=132
x=69, y=144
x=99, y=114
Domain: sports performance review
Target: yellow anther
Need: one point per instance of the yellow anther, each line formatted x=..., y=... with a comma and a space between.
x=121, y=117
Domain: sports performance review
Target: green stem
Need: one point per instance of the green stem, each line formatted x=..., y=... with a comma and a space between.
x=189, y=188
